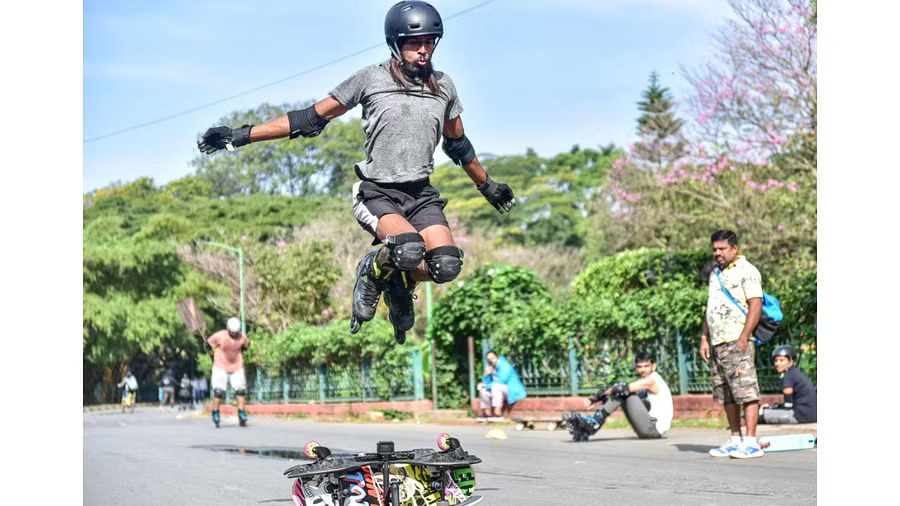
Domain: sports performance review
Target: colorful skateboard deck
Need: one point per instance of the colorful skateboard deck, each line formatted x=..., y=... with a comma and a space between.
x=787, y=442
x=419, y=477
x=550, y=424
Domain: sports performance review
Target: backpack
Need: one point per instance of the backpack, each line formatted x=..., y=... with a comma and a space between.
x=769, y=318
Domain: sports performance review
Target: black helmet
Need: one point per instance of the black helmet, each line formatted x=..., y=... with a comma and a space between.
x=785, y=350
x=411, y=19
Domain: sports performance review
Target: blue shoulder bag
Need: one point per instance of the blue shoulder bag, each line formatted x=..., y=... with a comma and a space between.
x=769, y=318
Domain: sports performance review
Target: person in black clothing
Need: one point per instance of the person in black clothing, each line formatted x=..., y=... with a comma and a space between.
x=799, y=404
x=184, y=392
x=168, y=383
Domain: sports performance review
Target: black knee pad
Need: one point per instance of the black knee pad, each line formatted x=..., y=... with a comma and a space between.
x=405, y=251
x=219, y=393
x=443, y=263
x=240, y=392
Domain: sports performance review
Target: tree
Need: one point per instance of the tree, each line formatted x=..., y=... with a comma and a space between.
x=296, y=167
x=752, y=164
x=661, y=142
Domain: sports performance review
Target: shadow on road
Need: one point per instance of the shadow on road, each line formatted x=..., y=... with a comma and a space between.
x=693, y=448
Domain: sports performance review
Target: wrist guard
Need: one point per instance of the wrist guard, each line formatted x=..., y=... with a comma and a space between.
x=240, y=136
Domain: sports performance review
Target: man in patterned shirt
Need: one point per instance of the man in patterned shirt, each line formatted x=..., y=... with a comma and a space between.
x=730, y=330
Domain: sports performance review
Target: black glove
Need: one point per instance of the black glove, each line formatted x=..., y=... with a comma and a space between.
x=599, y=396
x=223, y=137
x=620, y=390
x=498, y=194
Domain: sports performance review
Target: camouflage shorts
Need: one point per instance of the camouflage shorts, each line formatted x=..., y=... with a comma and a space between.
x=734, y=373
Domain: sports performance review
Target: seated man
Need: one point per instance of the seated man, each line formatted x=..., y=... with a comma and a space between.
x=647, y=403
x=799, y=404
x=500, y=382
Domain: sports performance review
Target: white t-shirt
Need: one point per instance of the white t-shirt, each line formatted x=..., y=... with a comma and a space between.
x=661, y=404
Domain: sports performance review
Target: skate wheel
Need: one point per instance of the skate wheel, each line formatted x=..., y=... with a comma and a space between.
x=309, y=449
x=520, y=426
x=443, y=441
x=552, y=426
x=354, y=325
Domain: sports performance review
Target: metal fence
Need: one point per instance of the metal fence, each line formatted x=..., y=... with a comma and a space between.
x=561, y=373
x=365, y=381
x=678, y=362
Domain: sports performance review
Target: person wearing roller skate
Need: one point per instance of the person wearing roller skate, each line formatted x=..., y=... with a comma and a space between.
x=408, y=107
x=647, y=402
x=227, y=347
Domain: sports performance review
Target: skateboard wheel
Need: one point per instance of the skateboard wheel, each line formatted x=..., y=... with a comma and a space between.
x=443, y=441
x=308, y=449
x=552, y=426
x=520, y=426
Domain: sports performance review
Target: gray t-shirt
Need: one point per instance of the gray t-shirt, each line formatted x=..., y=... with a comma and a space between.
x=403, y=125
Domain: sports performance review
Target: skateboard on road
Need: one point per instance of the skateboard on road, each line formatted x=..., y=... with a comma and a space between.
x=418, y=477
x=787, y=442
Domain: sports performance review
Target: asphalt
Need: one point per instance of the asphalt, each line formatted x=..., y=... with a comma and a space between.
x=157, y=457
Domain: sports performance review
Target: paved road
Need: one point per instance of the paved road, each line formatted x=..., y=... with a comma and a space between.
x=158, y=457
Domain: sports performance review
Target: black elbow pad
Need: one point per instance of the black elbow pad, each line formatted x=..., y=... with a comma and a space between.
x=459, y=150
x=306, y=122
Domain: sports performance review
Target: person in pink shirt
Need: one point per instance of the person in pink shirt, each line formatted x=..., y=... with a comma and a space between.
x=227, y=348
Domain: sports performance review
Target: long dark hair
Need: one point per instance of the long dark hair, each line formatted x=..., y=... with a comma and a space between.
x=403, y=80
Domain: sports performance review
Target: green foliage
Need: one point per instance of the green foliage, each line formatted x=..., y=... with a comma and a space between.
x=302, y=345
x=393, y=414
x=551, y=195
x=295, y=281
x=493, y=300
x=635, y=294
x=661, y=140
x=296, y=167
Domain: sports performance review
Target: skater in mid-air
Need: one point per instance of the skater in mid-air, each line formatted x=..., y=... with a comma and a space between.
x=408, y=107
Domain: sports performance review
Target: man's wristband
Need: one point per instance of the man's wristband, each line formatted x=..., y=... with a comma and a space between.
x=241, y=136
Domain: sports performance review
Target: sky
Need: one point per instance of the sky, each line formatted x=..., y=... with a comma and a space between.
x=534, y=74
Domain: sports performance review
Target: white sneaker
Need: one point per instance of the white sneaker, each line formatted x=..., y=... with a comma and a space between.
x=481, y=419
x=724, y=450
x=495, y=419
x=747, y=451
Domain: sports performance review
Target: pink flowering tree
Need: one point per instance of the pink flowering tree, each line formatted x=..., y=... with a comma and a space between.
x=751, y=161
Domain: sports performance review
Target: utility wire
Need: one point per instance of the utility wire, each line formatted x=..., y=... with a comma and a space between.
x=246, y=92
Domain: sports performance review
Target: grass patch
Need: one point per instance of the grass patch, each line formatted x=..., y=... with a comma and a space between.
x=393, y=414
x=719, y=422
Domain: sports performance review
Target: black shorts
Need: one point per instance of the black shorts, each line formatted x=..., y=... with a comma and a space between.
x=419, y=203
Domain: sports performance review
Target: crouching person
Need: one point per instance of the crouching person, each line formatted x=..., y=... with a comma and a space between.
x=647, y=403
x=500, y=383
x=799, y=404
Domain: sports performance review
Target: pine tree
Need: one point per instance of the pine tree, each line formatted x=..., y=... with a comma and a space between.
x=661, y=141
